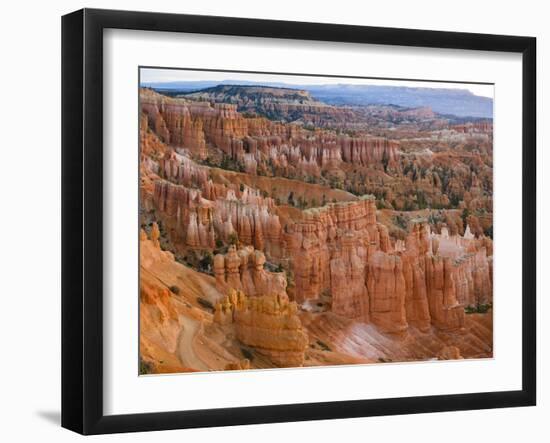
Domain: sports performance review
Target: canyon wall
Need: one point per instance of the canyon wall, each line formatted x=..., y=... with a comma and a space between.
x=258, y=143
x=342, y=252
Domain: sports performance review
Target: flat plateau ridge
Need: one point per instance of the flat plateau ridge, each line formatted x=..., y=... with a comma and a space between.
x=281, y=231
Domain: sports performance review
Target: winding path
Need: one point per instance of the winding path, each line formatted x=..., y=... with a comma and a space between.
x=186, y=340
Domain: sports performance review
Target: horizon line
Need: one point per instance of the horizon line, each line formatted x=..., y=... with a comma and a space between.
x=160, y=74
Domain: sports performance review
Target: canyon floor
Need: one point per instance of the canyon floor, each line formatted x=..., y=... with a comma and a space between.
x=277, y=230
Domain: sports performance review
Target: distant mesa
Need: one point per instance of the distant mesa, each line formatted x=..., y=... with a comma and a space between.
x=445, y=101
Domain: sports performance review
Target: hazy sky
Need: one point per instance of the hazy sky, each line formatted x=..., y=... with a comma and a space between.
x=168, y=75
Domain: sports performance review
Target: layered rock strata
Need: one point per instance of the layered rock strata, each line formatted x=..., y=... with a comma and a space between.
x=269, y=324
x=196, y=222
x=428, y=280
x=343, y=232
x=259, y=142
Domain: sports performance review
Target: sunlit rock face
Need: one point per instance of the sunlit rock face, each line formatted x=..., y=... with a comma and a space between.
x=271, y=325
x=268, y=323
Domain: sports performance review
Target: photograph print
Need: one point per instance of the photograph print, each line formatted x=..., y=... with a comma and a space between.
x=294, y=221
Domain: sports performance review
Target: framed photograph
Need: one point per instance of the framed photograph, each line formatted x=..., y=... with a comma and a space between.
x=270, y=221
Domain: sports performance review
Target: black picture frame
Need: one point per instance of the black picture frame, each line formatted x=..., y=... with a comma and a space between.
x=82, y=219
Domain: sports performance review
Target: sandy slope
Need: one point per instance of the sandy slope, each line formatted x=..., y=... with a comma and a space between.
x=186, y=344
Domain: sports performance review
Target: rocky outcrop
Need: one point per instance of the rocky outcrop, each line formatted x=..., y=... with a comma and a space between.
x=261, y=144
x=173, y=123
x=417, y=245
x=416, y=296
x=445, y=310
x=472, y=260
x=369, y=150
x=269, y=324
x=343, y=232
x=347, y=281
x=474, y=127
x=243, y=269
x=386, y=285
x=340, y=249
x=224, y=312
x=425, y=281
x=182, y=170
x=196, y=222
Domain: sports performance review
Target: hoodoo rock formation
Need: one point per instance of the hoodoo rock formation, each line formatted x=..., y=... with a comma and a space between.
x=196, y=221
x=268, y=323
x=258, y=144
x=244, y=270
x=342, y=250
x=342, y=232
x=271, y=325
x=386, y=285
